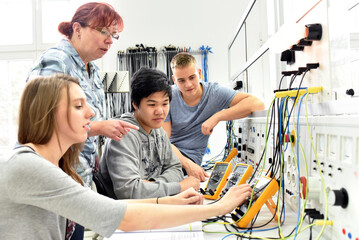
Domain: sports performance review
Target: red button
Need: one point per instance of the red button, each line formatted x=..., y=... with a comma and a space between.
x=344, y=231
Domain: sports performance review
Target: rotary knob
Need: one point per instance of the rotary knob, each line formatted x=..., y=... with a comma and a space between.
x=339, y=197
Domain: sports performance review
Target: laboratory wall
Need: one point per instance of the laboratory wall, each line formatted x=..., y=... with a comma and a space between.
x=152, y=23
x=180, y=23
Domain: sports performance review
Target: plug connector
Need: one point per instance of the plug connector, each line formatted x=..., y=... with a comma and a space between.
x=288, y=73
x=302, y=69
x=296, y=48
x=303, y=42
x=321, y=222
x=310, y=210
x=312, y=65
x=315, y=215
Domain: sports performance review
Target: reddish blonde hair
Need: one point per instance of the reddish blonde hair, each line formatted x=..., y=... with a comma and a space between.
x=92, y=14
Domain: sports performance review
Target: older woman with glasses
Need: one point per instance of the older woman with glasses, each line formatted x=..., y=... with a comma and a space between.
x=88, y=37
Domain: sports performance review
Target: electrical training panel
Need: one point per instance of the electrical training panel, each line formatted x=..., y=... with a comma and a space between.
x=308, y=136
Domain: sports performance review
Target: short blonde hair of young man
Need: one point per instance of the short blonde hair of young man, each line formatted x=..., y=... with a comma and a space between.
x=182, y=59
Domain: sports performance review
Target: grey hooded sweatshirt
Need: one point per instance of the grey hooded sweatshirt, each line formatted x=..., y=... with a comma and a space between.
x=140, y=156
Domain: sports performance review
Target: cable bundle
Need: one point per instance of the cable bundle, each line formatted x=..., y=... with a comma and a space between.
x=279, y=116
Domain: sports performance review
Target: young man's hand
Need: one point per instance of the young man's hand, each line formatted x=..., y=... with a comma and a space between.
x=208, y=125
x=195, y=170
x=189, y=182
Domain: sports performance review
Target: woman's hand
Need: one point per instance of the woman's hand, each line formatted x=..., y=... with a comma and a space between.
x=235, y=197
x=114, y=129
x=190, y=196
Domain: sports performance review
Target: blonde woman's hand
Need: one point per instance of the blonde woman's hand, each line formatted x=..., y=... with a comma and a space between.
x=189, y=196
x=235, y=197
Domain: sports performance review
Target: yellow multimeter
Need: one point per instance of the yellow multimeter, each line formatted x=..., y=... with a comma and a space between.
x=217, y=180
x=263, y=193
x=238, y=176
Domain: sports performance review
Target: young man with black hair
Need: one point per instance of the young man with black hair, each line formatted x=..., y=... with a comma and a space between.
x=142, y=164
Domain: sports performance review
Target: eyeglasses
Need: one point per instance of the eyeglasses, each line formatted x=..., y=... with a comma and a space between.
x=107, y=33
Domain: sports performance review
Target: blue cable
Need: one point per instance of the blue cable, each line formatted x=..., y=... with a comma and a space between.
x=280, y=142
x=253, y=230
x=286, y=146
x=300, y=104
x=205, y=51
x=227, y=236
x=280, y=121
x=280, y=138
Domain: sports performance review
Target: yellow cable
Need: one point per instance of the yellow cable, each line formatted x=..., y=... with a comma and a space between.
x=281, y=165
x=322, y=222
x=307, y=173
x=321, y=175
x=301, y=214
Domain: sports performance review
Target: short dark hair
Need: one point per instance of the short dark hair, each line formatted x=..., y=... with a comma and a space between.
x=147, y=81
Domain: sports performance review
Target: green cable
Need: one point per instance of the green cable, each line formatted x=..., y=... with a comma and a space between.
x=321, y=175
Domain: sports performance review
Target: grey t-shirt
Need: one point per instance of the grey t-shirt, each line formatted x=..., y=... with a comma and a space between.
x=186, y=121
x=37, y=197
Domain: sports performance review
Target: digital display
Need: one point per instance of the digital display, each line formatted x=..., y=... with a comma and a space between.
x=216, y=176
x=261, y=174
x=214, y=181
x=220, y=167
x=262, y=183
x=240, y=169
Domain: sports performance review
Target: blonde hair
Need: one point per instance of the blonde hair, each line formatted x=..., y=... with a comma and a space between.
x=182, y=59
x=37, y=116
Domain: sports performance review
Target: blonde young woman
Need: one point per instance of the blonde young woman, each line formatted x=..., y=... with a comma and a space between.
x=40, y=189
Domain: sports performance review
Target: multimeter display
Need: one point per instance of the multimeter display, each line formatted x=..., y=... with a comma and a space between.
x=239, y=175
x=261, y=184
x=216, y=176
x=236, y=175
x=217, y=180
x=260, y=174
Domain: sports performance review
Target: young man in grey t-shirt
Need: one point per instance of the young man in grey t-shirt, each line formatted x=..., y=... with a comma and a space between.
x=196, y=108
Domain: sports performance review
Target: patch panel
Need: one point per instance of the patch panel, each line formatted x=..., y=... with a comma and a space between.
x=335, y=159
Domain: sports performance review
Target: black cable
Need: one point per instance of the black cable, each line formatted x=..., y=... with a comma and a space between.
x=277, y=161
x=310, y=228
x=292, y=79
x=264, y=150
x=280, y=82
x=278, y=144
